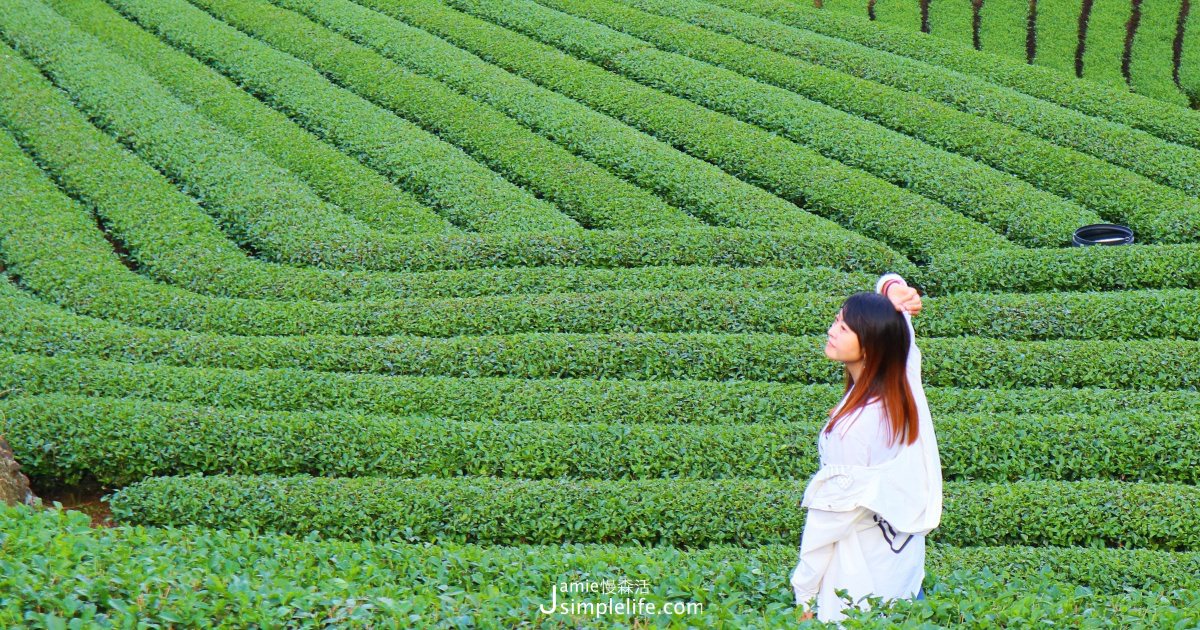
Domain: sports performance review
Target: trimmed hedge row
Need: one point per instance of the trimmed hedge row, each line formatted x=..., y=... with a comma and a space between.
x=1150, y=59
x=117, y=441
x=175, y=242
x=1167, y=121
x=1189, y=67
x=51, y=244
x=965, y=362
x=58, y=567
x=1155, y=212
x=674, y=512
x=516, y=400
x=688, y=182
x=54, y=247
x=1057, y=35
x=324, y=243
x=1162, y=161
x=1015, y=209
x=857, y=200
x=338, y=178
x=951, y=19
x=589, y=194
x=1077, y=268
x=1004, y=28
x=1105, y=44
x=261, y=202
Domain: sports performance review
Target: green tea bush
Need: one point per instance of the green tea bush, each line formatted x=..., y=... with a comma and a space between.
x=675, y=512
x=116, y=441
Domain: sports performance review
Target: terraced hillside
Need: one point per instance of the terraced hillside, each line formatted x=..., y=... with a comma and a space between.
x=1151, y=47
x=401, y=312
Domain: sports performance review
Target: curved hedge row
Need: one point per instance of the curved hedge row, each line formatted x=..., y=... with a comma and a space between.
x=1107, y=27
x=906, y=221
x=1156, y=213
x=1162, y=161
x=1067, y=269
x=52, y=245
x=581, y=189
x=170, y=236
x=1150, y=59
x=489, y=510
x=117, y=441
x=300, y=237
x=175, y=242
x=966, y=362
x=338, y=178
x=493, y=399
x=1189, y=67
x=686, y=181
x=263, y=203
x=59, y=567
x=184, y=248
x=1017, y=210
x=1170, y=122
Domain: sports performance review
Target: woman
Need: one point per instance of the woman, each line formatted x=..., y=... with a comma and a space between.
x=879, y=488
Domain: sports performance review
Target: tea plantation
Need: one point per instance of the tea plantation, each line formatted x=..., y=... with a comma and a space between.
x=405, y=313
x=1149, y=46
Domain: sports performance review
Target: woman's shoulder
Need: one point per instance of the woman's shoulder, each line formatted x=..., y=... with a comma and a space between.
x=865, y=417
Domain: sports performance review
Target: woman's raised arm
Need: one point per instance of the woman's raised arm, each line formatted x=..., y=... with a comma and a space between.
x=913, y=365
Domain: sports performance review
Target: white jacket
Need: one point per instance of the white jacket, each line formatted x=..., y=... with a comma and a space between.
x=844, y=544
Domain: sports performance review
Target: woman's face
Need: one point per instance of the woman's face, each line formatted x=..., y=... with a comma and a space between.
x=843, y=342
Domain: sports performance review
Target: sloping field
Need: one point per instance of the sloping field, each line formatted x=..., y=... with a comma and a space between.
x=400, y=313
x=1151, y=47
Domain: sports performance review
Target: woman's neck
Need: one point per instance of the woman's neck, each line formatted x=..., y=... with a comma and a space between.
x=855, y=368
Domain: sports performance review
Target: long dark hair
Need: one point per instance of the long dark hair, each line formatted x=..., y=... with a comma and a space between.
x=884, y=338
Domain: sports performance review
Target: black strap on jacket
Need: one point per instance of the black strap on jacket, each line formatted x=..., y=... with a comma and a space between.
x=889, y=534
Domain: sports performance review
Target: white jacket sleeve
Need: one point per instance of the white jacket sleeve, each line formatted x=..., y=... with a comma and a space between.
x=888, y=276
x=913, y=365
x=822, y=530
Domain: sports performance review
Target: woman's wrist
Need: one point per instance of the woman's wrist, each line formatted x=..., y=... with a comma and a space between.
x=887, y=286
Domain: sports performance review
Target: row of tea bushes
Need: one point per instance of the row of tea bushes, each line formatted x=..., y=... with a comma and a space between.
x=355, y=114
x=676, y=512
x=58, y=568
x=51, y=243
x=854, y=199
x=576, y=400
x=1094, y=268
x=1160, y=160
x=1009, y=206
x=34, y=327
x=116, y=441
x=266, y=204
x=1167, y=121
x=1155, y=211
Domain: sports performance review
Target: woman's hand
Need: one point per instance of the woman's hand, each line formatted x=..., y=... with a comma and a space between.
x=904, y=298
x=806, y=616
